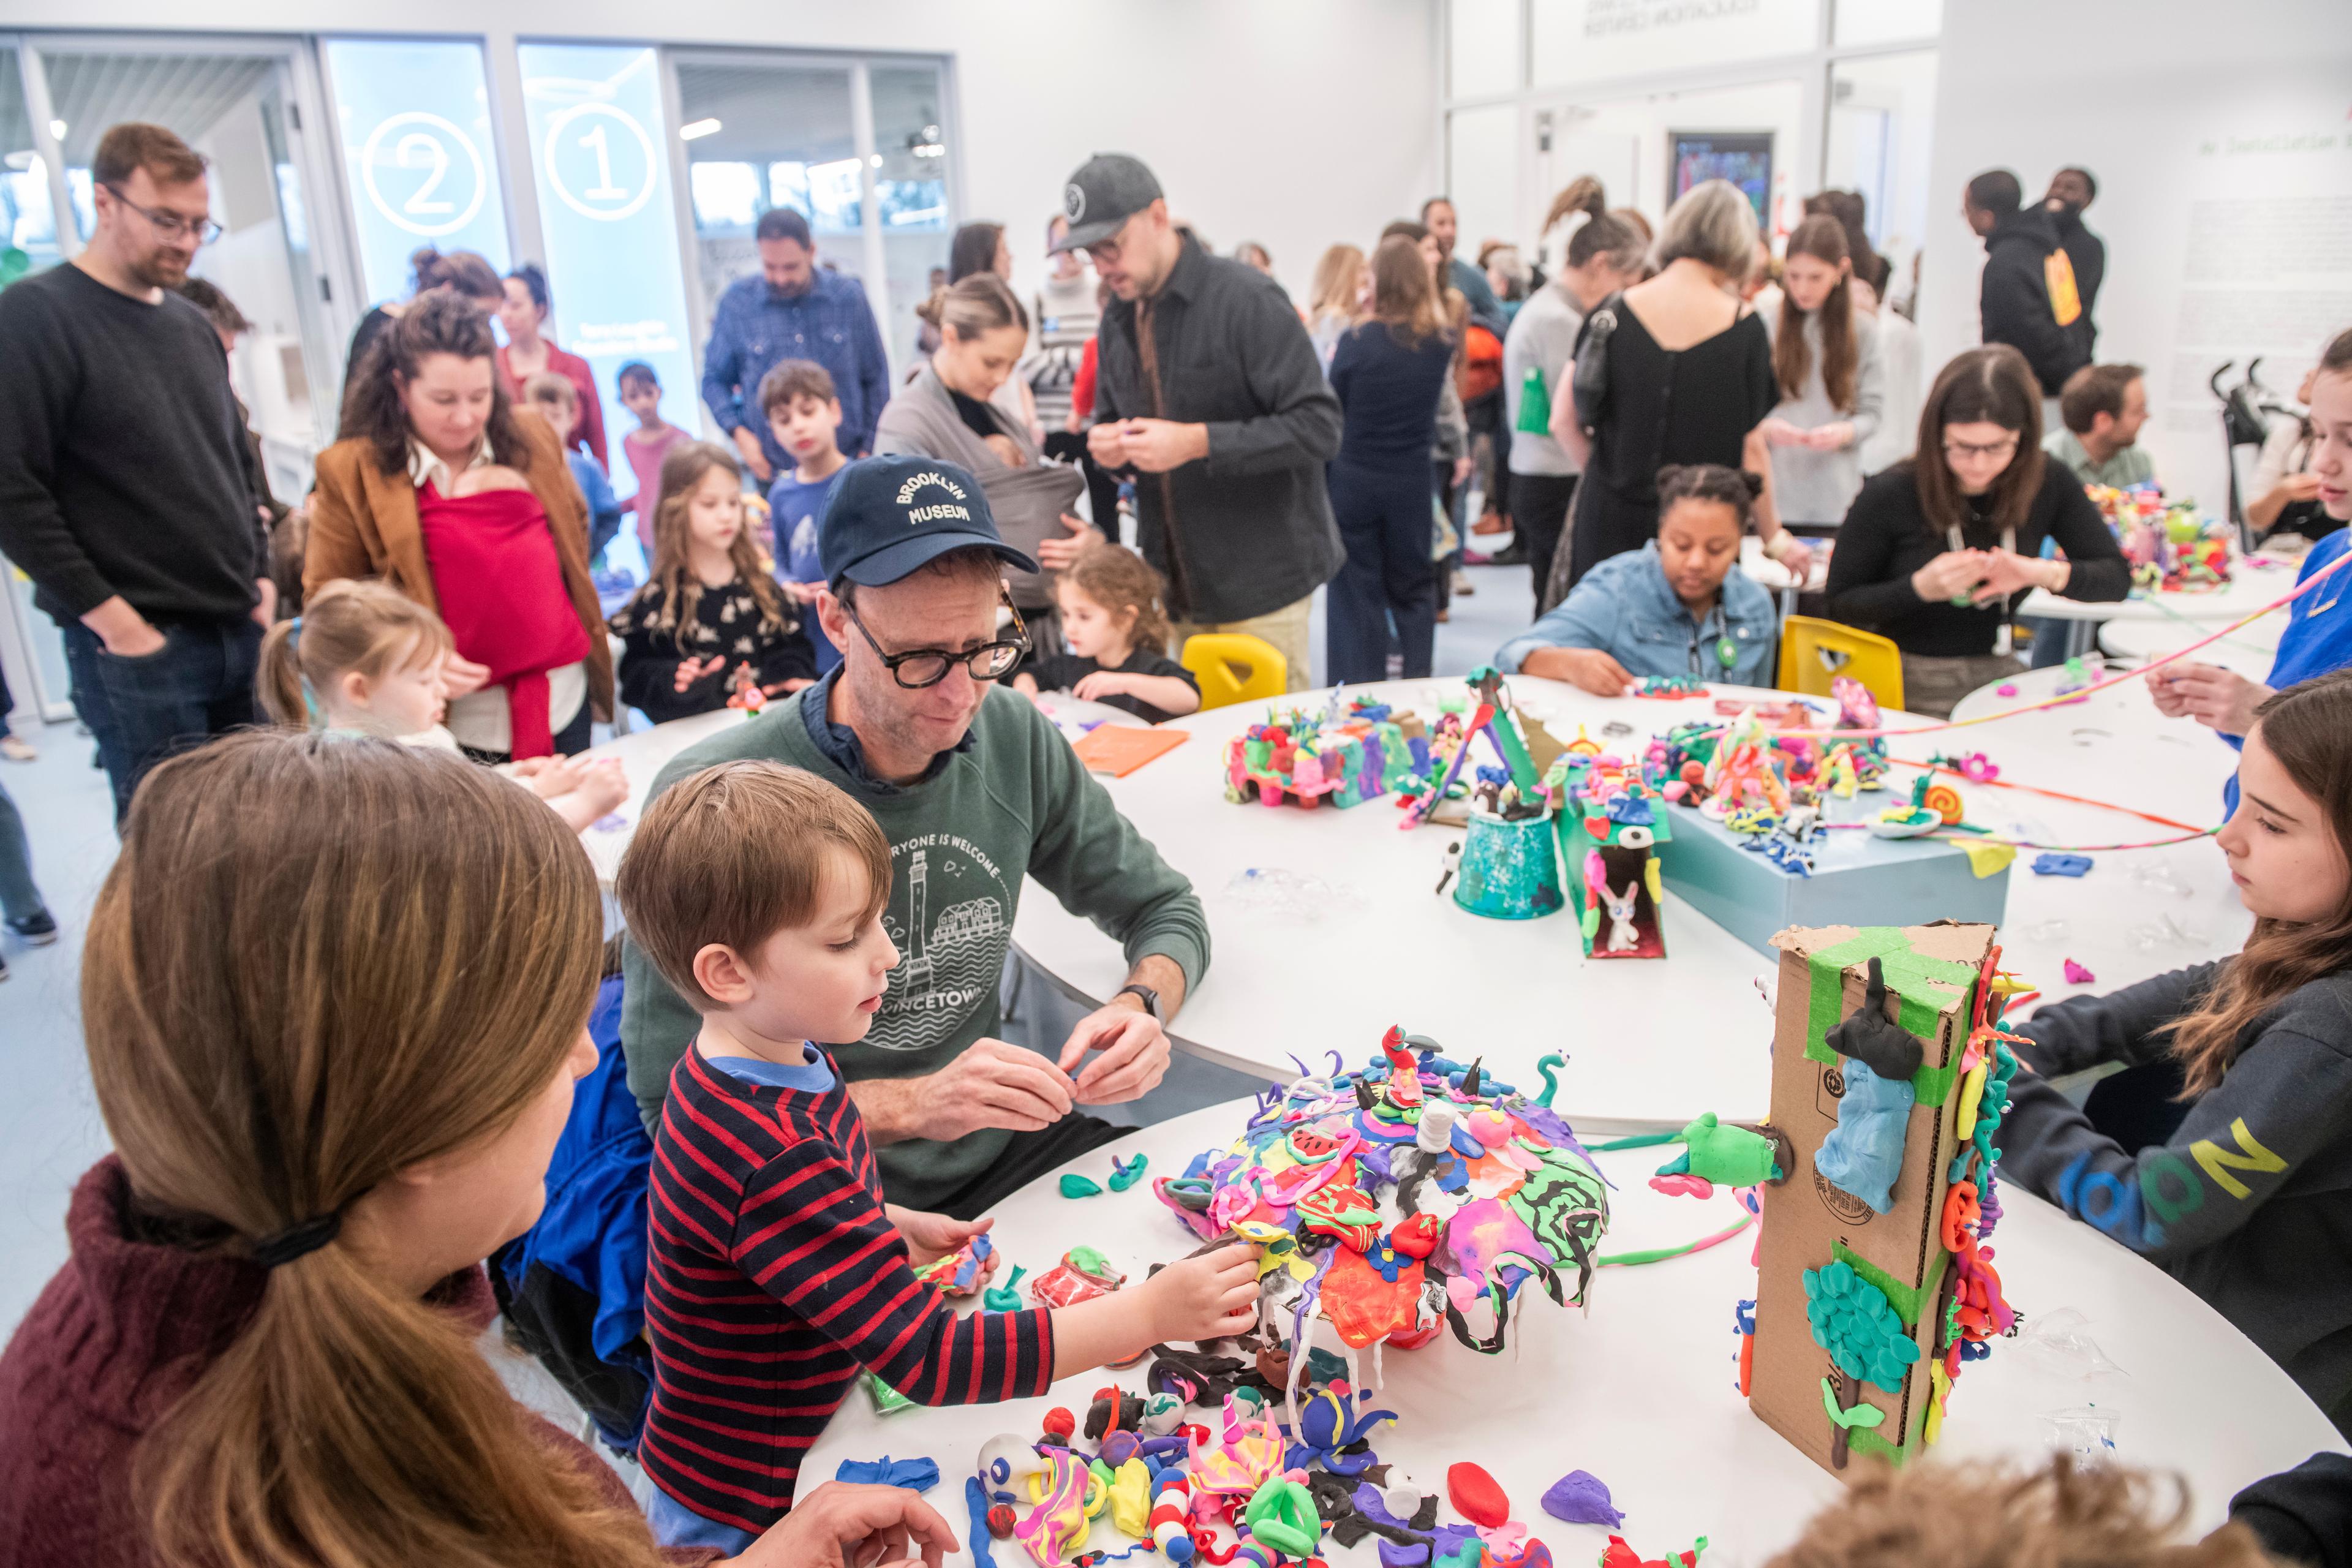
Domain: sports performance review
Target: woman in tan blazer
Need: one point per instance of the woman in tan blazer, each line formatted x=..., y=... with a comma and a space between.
x=439, y=489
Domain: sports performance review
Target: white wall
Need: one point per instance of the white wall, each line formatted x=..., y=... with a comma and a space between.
x=1294, y=124
x=2224, y=159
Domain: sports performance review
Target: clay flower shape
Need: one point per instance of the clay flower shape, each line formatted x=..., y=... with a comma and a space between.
x=1853, y=1321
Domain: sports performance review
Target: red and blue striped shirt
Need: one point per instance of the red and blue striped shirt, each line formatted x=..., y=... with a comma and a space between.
x=774, y=1273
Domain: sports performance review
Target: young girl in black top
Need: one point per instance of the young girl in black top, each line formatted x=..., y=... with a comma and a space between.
x=1118, y=634
x=1938, y=551
x=712, y=609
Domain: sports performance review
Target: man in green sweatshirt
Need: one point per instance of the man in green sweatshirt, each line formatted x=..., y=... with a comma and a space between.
x=975, y=789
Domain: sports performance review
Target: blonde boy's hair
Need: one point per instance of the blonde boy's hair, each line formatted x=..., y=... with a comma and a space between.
x=733, y=854
x=1974, y=1516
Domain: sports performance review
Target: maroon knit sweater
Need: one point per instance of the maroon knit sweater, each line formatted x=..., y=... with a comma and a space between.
x=118, y=1335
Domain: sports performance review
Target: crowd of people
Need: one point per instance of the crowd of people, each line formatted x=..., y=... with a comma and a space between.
x=347, y=994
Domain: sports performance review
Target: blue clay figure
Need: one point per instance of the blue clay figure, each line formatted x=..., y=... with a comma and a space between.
x=1864, y=1152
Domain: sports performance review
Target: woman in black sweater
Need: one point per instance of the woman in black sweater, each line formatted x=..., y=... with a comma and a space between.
x=1390, y=373
x=1937, y=552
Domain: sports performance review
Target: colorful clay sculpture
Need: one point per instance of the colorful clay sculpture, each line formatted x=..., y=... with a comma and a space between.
x=1006, y=1298
x=1125, y=1174
x=1580, y=1497
x=1397, y=1200
x=962, y=1271
x=1617, y=1554
x=1281, y=1513
x=1864, y=1152
x=1853, y=1321
x=1720, y=1153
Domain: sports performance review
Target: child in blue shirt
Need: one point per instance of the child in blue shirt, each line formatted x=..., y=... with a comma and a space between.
x=558, y=402
x=1680, y=605
x=805, y=416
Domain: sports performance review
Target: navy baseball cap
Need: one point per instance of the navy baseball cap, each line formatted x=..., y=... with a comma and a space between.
x=887, y=516
x=1109, y=189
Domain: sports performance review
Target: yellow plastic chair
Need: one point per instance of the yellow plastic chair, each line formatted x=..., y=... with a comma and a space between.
x=1235, y=667
x=1814, y=652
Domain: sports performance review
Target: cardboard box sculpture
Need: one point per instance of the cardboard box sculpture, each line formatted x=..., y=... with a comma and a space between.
x=1864, y=1314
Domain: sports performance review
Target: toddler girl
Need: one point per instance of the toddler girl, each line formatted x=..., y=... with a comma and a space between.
x=1117, y=633
x=711, y=620
x=363, y=658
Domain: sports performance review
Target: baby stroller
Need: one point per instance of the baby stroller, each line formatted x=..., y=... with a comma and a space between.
x=2248, y=411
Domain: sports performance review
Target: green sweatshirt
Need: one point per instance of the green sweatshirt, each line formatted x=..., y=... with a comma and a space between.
x=1016, y=800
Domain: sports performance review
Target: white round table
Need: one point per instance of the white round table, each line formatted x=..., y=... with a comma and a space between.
x=1379, y=946
x=1642, y=1390
x=2249, y=650
x=2136, y=913
x=643, y=753
x=2252, y=585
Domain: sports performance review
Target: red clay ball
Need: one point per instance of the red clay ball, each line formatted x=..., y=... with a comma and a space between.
x=1060, y=1422
x=1476, y=1496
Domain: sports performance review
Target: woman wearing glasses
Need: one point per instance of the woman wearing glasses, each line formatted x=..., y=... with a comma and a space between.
x=1937, y=552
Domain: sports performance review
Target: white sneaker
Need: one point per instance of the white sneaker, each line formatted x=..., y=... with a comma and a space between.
x=15, y=748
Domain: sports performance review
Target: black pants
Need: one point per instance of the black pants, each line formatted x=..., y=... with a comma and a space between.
x=1385, y=521
x=1028, y=1156
x=1539, y=505
x=141, y=709
x=1102, y=489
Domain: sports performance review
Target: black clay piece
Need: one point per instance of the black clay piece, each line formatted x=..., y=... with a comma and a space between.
x=1888, y=1048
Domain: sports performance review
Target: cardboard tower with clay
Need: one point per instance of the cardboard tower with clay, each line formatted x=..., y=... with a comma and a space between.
x=1875, y=1288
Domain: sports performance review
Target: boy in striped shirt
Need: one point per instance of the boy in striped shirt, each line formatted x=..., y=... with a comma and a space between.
x=775, y=1268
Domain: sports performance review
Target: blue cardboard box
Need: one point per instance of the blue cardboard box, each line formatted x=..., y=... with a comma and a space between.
x=1858, y=878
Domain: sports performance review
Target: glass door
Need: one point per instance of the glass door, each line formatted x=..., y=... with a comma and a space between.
x=31, y=656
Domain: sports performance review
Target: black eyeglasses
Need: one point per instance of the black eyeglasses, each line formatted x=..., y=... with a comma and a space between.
x=171, y=226
x=920, y=667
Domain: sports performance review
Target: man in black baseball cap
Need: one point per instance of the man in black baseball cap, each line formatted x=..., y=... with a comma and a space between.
x=976, y=790
x=1212, y=396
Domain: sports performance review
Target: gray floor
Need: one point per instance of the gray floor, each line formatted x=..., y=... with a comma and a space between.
x=49, y=1127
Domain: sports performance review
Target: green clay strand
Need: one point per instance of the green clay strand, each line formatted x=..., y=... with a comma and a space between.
x=1549, y=1067
x=1003, y=1297
x=1077, y=1186
x=1281, y=1514
x=1864, y=1415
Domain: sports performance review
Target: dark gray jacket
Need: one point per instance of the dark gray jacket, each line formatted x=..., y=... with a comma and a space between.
x=2249, y=1204
x=1252, y=523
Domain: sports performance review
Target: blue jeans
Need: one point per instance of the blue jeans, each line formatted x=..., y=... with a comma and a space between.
x=19, y=900
x=140, y=711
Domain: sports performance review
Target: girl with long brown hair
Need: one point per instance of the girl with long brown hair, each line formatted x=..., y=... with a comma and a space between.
x=709, y=620
x=1390, y=372
x=1937, y=552
x=335, y=994
x=436, y=488
x=2247, y=1198
x=1832, y=387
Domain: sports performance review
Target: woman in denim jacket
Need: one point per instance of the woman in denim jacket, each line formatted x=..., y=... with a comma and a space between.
x=1678, y=606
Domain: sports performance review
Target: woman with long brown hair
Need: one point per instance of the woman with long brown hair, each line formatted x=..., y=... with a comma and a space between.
x=438, y=488
x=1390, y=372
x=1825, y=362
x=2247, y=1198
x=1937, y=552
x=335, y=993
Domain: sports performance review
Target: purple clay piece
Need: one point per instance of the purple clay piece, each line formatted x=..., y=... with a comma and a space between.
x=1396, y=1556
x=1580, y=1497
x=1118, y=1448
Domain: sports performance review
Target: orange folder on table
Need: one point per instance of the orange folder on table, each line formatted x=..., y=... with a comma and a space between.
x=1118, y=750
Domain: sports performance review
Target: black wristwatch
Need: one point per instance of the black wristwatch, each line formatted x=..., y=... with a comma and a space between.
x=1151, y=997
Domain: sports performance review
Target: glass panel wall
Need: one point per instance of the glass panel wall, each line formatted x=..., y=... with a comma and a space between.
x=419, y=155
x=760, y=135
x=910, y=178
x=28, y=224
x=1882, y=124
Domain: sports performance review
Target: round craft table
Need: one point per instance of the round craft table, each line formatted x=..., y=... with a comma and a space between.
x=2252, y=584
x=1642, y=1390
x=1769, y=573
x=1650, y=1042
x=2137, y=912
x=643, y=753
x=2249, y=650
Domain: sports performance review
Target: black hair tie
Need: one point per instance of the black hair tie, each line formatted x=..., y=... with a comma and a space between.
x=297, y=1240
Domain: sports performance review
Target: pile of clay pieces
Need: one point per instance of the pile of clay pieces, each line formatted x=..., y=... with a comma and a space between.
x=2171, y=548
x=1768, y=786
x=1241, y=1489
x=1390, y=1201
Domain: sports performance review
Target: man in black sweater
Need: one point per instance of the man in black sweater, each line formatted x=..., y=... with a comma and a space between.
x=127, y=487
x=2029, y=300
x=1211, y=394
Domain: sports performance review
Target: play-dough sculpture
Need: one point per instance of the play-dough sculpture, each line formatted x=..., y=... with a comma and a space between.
x=1412, y=1193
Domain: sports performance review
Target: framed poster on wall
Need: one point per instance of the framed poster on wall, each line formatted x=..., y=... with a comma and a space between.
x=1743, y=157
